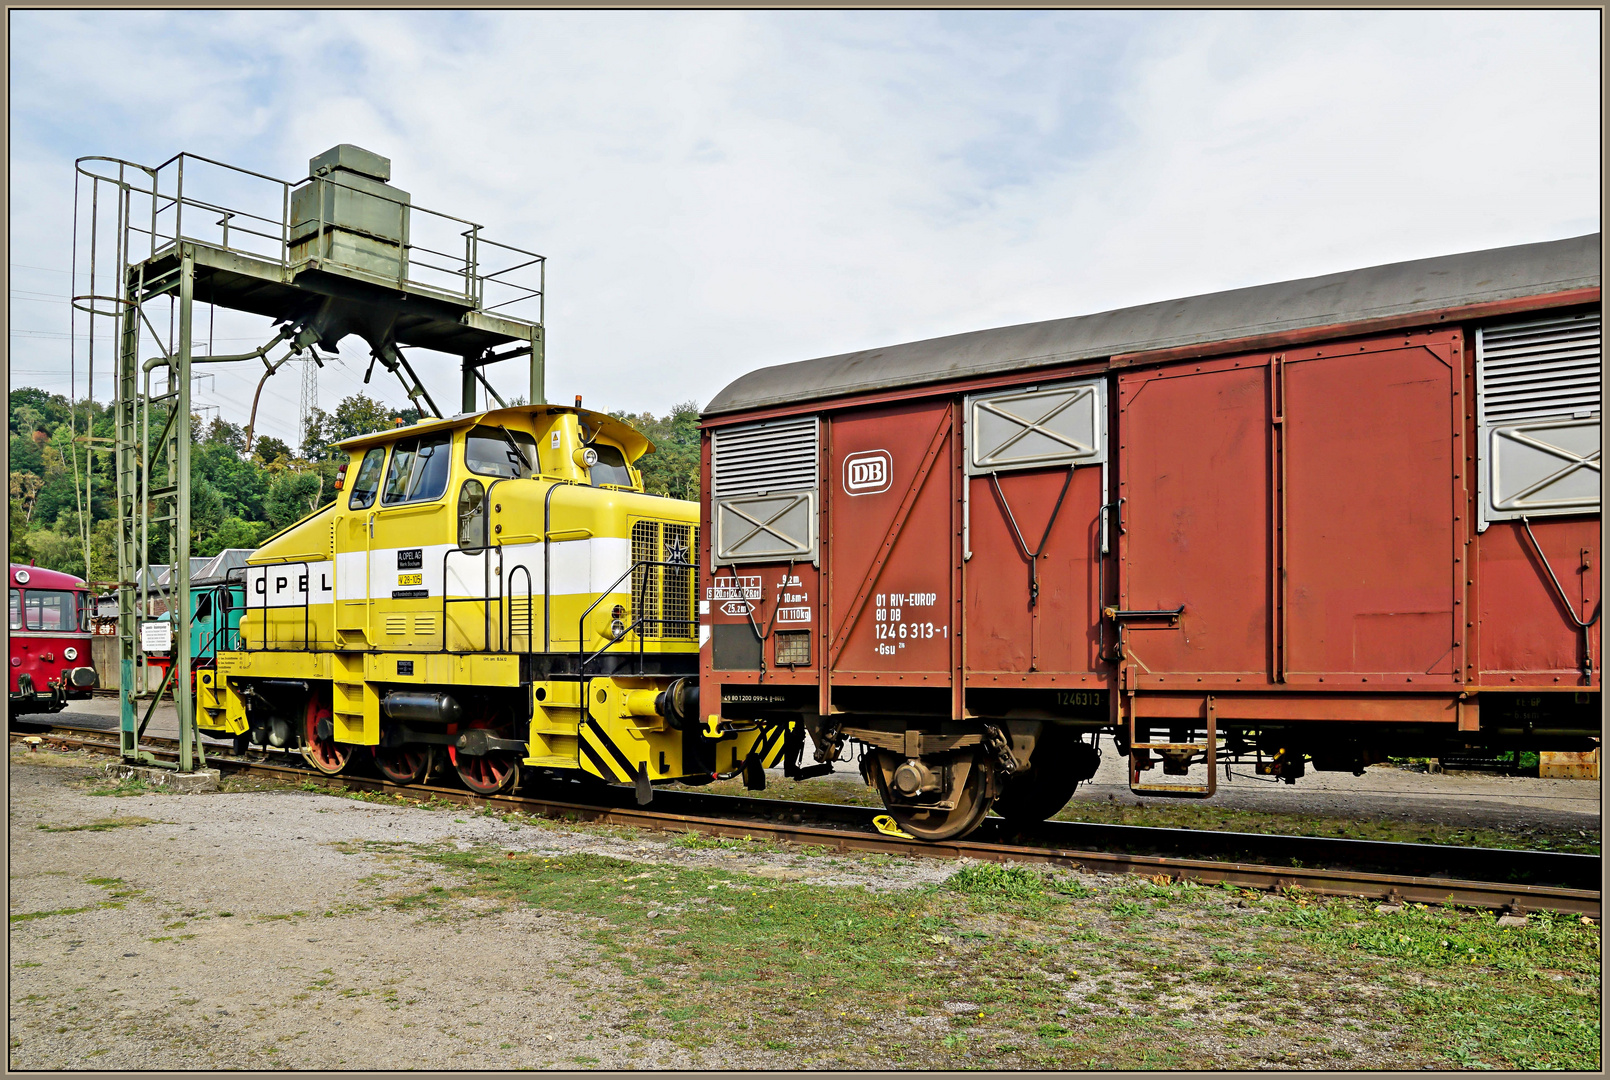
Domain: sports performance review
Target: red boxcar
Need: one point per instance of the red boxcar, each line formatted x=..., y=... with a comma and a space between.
x=50, y=640
x=1311, y=522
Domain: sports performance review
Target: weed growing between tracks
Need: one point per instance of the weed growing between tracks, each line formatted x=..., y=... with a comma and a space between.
x=1006, y=967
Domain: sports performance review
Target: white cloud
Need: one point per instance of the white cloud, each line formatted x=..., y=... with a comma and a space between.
x=719, y=191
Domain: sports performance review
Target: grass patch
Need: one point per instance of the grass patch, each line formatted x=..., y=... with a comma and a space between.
x=1065, y=977
x=27, y=916
x=104, y=824
x=122, y=789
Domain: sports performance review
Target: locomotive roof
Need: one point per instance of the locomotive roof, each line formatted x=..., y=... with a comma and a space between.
x=634, y=442
x=1376, y=292
x=41, y=578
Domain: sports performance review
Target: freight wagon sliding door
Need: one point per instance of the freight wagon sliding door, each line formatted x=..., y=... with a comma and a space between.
x=891, y=502
x=1193, y=471
x=1304, y=508
x=1373, y=512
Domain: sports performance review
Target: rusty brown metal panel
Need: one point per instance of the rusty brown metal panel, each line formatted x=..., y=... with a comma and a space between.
x=1194, y=485
x=1527, y=633
x=889, y=553
x=1374, y=522
x=1059, y=632
x=1283, y=705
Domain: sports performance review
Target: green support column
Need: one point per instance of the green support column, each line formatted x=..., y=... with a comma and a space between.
x=468, y=403
x=129, y=458
x=179, y=582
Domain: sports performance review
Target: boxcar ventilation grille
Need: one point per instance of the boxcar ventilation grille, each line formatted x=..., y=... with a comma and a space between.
x=779, y=456
x=1534, y=369
x=1538, y=407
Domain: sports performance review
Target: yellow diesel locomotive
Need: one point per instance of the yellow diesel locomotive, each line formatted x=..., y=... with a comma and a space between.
x=486, y=593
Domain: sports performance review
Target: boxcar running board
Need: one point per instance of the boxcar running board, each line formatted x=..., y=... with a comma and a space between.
x=1209, y=750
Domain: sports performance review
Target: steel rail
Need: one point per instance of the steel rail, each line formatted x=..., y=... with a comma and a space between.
x=1392, y=888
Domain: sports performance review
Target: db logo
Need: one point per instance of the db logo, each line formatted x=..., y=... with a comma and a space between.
x=868, y=473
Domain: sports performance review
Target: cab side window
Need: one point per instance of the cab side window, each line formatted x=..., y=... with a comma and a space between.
x=367, y=485
x=16, y=609
x=611, y=467
x=419, y=468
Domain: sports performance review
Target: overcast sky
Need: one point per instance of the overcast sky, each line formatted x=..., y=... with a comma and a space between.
x=718, y=191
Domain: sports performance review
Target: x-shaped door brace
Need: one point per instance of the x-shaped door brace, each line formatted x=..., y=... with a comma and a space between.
x=1027, y=426
x=766, y=526
x=1575, y=461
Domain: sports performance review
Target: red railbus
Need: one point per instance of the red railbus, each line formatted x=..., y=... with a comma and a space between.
x=50, y=640
x=1310, y=523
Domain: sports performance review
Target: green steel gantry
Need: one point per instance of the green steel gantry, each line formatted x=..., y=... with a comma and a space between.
x=340, y=252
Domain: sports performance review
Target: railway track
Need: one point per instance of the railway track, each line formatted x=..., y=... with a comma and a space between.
x=1393, y=872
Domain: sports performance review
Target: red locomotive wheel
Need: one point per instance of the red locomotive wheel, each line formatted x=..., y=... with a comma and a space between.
x=487, y=774
x=325, y=755
x=404, y=764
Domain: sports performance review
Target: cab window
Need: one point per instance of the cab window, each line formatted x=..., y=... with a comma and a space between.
x=487, y=452
x=418, y=470
x=611, y=467
x=50, y=609
x=367, y=485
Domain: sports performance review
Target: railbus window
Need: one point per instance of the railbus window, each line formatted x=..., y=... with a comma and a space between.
x=611, y=467
x=50, y=609
x=487, y=452
x=472, y=515
x=16, y=609
x=418, y=470
x=367, y=485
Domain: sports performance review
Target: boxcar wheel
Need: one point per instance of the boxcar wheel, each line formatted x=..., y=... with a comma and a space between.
x=936, y=825
x=1054, y=772
x=325, y=755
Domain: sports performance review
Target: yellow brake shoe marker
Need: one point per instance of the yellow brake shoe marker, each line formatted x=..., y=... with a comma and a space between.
x=886, y=825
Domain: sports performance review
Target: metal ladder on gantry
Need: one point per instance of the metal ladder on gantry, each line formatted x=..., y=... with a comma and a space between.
x=339, y=253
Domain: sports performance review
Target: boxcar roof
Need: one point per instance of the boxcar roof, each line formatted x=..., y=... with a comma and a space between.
x=1376, y=292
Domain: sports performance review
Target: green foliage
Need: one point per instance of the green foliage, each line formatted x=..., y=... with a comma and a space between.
x=672, y=468
x=356, y=415
x=993, y=879
x=291, y=497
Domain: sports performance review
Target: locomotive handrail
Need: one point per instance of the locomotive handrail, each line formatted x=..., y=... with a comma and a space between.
x=639, y=620
x=530, y=605
x=485, y=553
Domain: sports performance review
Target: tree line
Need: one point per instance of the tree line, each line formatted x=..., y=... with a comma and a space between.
x=240, y=495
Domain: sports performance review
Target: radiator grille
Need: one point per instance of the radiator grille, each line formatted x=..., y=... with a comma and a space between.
x=1546, y=367
x=776, y=456
x=646, y=579
x=664, y=595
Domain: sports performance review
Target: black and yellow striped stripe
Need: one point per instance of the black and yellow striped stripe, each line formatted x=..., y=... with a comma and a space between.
x=607, y=761
x=770, y=748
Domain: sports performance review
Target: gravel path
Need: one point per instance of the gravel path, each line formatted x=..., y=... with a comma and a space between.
x=312, y=967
